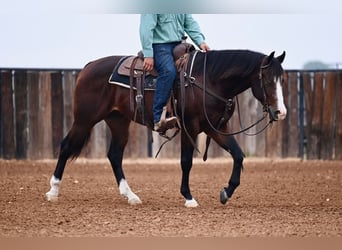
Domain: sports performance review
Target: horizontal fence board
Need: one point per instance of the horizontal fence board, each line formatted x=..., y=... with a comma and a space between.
x=37, y=112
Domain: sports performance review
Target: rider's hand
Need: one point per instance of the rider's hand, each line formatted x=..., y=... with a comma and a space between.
x=148, y=63
x=204, y=47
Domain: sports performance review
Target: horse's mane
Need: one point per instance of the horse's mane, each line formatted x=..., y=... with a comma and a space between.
x=224, y=64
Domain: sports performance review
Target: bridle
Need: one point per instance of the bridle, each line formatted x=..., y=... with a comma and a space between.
x=229, y=102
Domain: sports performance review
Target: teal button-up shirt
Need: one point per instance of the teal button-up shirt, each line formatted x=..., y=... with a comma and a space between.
x=166, y=28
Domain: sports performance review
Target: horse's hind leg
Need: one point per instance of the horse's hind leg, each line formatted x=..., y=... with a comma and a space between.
x=119, y=126
x=230, y=144
x=71, y=146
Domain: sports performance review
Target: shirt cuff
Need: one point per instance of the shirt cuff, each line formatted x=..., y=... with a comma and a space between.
x=148, y=52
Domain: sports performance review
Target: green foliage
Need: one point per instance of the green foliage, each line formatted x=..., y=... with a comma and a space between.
x=315, y=65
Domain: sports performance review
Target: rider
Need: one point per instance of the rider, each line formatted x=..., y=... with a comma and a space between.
x=159, y=35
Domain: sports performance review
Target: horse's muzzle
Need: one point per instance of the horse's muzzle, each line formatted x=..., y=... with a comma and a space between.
x=276, y=115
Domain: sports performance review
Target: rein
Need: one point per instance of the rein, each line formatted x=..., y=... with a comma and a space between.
x=245, y=129
x=266, y=108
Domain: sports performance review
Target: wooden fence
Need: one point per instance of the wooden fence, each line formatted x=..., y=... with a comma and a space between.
x=36, y=113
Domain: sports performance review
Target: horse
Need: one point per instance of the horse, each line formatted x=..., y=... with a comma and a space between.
x=217, y=76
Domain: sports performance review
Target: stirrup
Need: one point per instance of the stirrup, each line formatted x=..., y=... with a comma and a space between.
x=165, y=124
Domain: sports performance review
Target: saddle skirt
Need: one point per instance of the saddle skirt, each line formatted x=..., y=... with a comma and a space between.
x=137, y=63
x=121, y=74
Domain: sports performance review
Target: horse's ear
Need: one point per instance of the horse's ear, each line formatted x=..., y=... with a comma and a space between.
x=281, y=57
x=269, y=58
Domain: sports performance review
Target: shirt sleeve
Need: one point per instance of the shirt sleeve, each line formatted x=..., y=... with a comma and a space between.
x=192, y=28
x=148, y=23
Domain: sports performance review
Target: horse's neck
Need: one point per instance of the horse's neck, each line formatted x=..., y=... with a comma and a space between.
x=239, y=85
x=230, y=80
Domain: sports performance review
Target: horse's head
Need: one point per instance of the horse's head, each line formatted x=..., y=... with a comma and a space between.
x=269, y=88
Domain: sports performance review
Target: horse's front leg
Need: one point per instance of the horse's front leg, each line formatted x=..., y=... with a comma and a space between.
x=187, y=150
x=230, y=144
x=234, y=181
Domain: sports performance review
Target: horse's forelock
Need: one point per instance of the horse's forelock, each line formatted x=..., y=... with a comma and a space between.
x=276, y=67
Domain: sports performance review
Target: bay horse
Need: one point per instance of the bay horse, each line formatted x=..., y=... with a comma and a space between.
x=217, y=77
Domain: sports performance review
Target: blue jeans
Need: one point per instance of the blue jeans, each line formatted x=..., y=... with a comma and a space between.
x=164, y=64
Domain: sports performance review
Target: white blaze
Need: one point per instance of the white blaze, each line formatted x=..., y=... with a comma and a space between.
x=280, y=101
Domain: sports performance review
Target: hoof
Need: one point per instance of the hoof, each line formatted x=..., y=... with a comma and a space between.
x=134, y=201
x=223, y=196
x=51, y=197
x=191, y=203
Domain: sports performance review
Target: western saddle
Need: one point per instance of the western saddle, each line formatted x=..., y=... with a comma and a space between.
x=133, y=68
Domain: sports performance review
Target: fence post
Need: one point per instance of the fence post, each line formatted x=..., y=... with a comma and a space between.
x=7, y=116
x=21, y=113
x=291, y=134
x=68, y=97
x=33, y=114
x=338, y=120
x=56, y=111
x=301, y=139
x=44, y=116
x=328, y=116
x=315, y=136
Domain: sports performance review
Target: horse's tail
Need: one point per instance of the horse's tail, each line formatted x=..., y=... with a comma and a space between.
x=73, y=143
